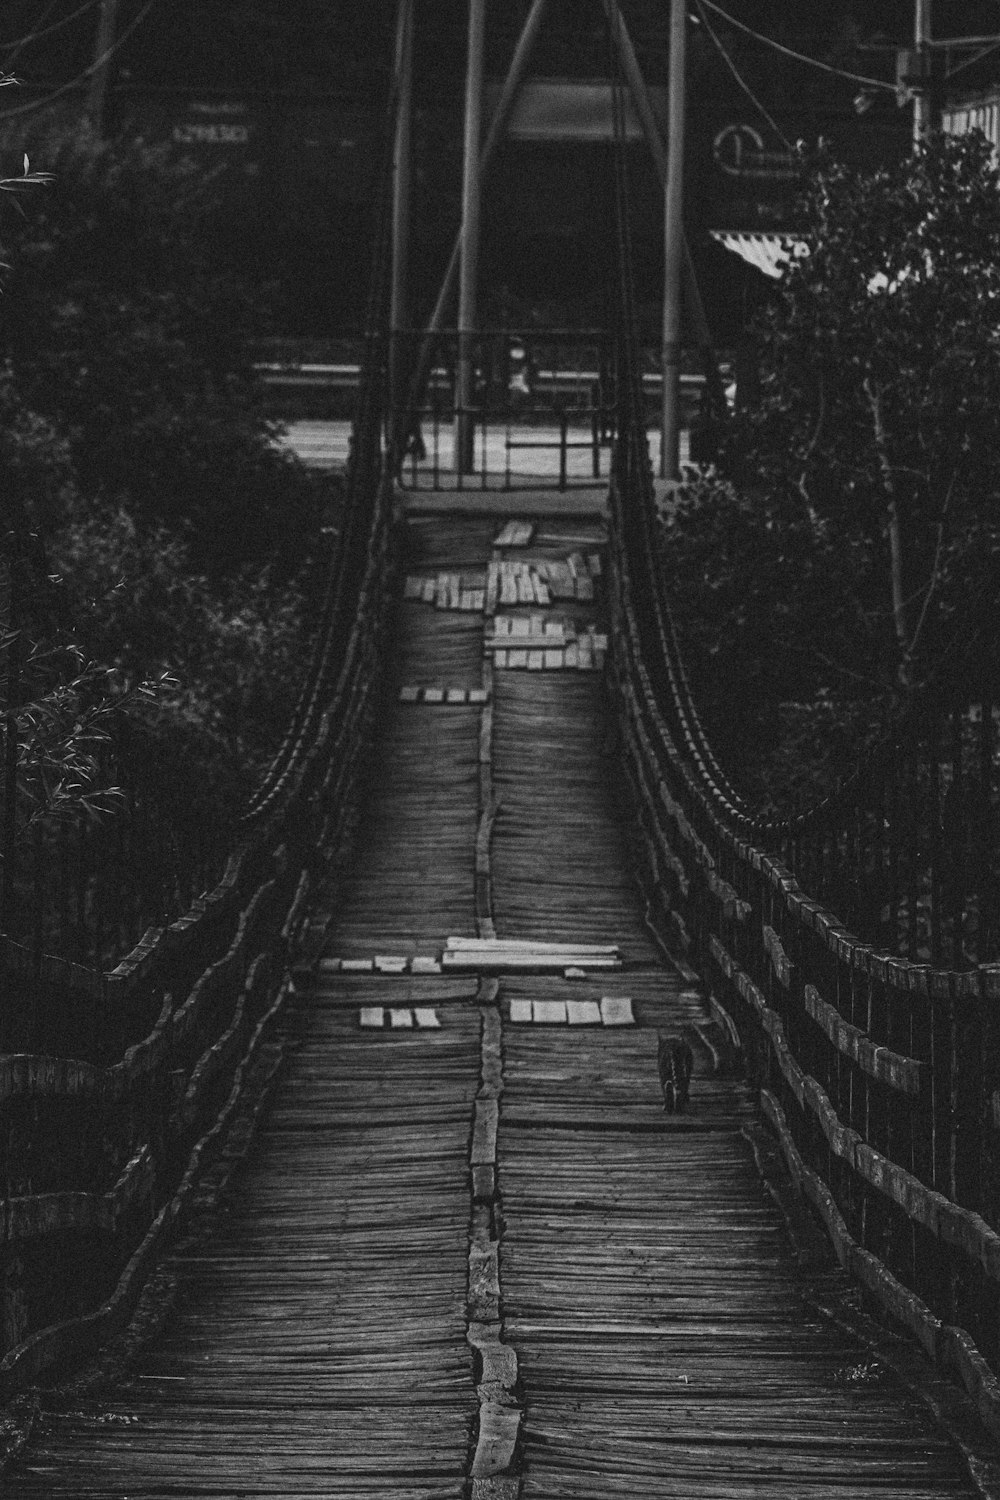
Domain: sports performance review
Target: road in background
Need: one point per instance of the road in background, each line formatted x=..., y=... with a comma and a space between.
x=323, y=445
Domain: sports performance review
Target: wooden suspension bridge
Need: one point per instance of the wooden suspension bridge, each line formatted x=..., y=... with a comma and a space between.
x=468, y=1251
x=504, y=1108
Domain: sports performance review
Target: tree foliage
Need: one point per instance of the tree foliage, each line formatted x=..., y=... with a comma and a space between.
x=881, y=402
x=853, y=556
x=125, y=327
x=163, y=548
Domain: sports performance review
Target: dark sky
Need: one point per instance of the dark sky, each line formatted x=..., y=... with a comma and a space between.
x=329, y=45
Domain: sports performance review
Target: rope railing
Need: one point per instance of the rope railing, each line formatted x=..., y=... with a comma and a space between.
x=119, y=1086
x=845, y=955
x=123, y=1091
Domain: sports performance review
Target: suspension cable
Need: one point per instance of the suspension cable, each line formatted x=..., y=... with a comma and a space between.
x=739, y=77
x=35, y=104
x=19, y=43
x=802, y=57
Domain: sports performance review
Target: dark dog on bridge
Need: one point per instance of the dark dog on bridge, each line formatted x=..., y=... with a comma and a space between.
x=675, y=1061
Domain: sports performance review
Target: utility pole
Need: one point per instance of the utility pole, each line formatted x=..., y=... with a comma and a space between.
x=673, y=246
x=469, y=270
x=494, y=134
x=402, y=153
x=654, y=139
x=107, y=29
x=922, y=82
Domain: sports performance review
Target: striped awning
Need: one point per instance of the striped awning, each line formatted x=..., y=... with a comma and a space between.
x=768, y=253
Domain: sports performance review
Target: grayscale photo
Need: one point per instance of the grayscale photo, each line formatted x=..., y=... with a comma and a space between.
x=499, y=749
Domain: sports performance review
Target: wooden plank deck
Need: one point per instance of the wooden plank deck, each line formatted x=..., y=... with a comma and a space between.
x=478, y=1259
x=665, y=1338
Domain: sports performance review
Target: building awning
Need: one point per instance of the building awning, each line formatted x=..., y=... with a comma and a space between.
x=769, y=253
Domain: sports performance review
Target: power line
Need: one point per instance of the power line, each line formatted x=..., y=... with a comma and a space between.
x=739, y=79
x=976, y=57
x=35, y=104
x=812, y=62
x=20, y=43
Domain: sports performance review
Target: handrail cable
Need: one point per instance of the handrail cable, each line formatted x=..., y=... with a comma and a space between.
x=802, y=57
x=739, y=77
x=19, y=43
x=98, y=63
x=364, y=460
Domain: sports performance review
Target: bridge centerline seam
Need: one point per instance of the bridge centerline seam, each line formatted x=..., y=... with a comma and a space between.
x=492, y=1470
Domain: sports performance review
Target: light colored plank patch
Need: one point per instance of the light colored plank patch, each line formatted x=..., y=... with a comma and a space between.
x=554, y=659
x=596, y=566
x=455, y=695
x=574, y=973
x=549, y=1012
x=413, y=588
x=572, y=654
x=517, y=658
x=430, y=589
x=400, y=1017
x=427, y=1018
x=520, y=625
x=525, y=592
x=536, y=660
x=373, y=1016
x=465, y=600
x=583, y=1012
x=585, y=589
x=519, y=946
x=502, y=659
x=519, y=963
x=357, y=966
x=616, y=1010
x=409, y=694
x=478, y=600
x=508, y=584
x=433, y=695
x=478, y=695
x=541, y=590
x=441, y=592
x=391, y=963
x=520, y=1011
x=425, y=966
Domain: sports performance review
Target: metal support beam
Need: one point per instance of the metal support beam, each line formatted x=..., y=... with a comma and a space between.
x=508, y=96
x=673, y=247
x=398, y=301
x=469, y=266
x=657, y=146
x=107, y=26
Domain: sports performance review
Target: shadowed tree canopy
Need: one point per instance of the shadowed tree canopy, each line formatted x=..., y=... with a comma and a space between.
x=854, y=558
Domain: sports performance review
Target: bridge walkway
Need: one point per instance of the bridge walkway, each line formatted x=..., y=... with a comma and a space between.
x=470, y=1252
